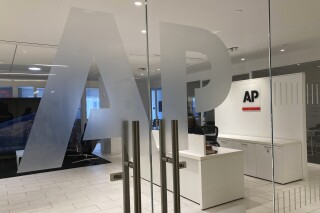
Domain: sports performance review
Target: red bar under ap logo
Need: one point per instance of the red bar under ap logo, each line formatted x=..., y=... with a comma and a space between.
x=251, y=108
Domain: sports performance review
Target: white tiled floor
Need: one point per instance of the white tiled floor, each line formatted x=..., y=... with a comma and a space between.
x=88, y=189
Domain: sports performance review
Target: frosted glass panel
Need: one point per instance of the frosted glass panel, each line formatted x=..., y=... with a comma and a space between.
x=100, y=45
x=174, y=73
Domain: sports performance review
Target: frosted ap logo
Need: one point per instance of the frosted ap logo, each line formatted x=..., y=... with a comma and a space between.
x=84, y=44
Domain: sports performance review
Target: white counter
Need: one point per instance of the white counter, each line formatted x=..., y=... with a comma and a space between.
x=260, y=140
x=207, y=180
x=222, y=152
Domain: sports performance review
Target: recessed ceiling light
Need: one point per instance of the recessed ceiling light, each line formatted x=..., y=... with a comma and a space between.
x=35, y=68
x=143, y=31
x=137, y=3
x=243, y=59
x=141, y=74
x=158, y=69
x=282, y=50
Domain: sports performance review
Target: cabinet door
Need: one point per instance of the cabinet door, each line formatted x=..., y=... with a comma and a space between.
x=226, y=143
x=249, y=154
x=264, y=161
x=278, y=164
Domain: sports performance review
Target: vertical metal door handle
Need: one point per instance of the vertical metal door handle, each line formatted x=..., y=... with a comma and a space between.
x=136, y=166
x=125, y=168
x=163, y=167
x=175, y=166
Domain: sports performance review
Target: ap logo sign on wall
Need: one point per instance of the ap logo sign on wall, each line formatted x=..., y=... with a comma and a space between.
x=251, y=98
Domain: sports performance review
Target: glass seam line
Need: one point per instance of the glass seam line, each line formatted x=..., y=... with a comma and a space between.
x=271, y=101
x=150, y=104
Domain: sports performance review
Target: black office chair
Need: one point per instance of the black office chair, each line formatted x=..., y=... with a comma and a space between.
x=211, y=132
x=85, y=149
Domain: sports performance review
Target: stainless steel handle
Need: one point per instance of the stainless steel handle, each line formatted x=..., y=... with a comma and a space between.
x=126, y=164
x=163, y=167
x=136, y=166
x=125, y=168
x=175, y=166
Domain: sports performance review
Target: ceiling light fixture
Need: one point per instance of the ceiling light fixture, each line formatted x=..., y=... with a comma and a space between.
x=32, y=74
x=138, y=3
x=5, y=80
x=243, y=59
x=51, y=65
x=28, y=80
x=282, y=50
x=141, y=74
x=34, y=68
x=158, y=69
x=143, y=31
x=233, y=49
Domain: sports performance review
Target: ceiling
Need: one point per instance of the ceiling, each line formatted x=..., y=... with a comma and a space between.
x=30, y=30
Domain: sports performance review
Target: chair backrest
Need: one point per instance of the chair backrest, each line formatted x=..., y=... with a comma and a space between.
x=213, y=131
x=210, y=129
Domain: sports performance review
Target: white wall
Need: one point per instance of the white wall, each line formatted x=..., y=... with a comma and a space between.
x=289, y=114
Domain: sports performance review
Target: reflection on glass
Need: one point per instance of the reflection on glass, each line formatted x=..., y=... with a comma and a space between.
x=92, y=99
x=26, y=92
x=39, y=92
x=156, y=112
x=5, y=92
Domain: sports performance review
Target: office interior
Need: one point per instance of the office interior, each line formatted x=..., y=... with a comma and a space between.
x=239, y=76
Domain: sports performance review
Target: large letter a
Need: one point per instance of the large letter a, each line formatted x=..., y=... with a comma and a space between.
x=87, y=35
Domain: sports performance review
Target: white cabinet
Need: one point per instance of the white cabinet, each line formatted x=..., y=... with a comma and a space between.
x=287, y=163
x=258, y=158
x=249, y=152
x=264, y=161
x=279, y=170
x=226, y=143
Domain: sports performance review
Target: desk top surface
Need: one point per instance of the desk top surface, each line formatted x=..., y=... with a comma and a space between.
x=261, y=140
x=222, y=152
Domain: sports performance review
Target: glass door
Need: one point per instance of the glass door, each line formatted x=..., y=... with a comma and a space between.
x=71, y=73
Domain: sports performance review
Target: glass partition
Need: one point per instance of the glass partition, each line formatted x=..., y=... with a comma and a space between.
x=295, y=64
x=239, y=76
x=202, y=55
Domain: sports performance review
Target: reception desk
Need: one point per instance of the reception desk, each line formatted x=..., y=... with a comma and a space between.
x=208, y=180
